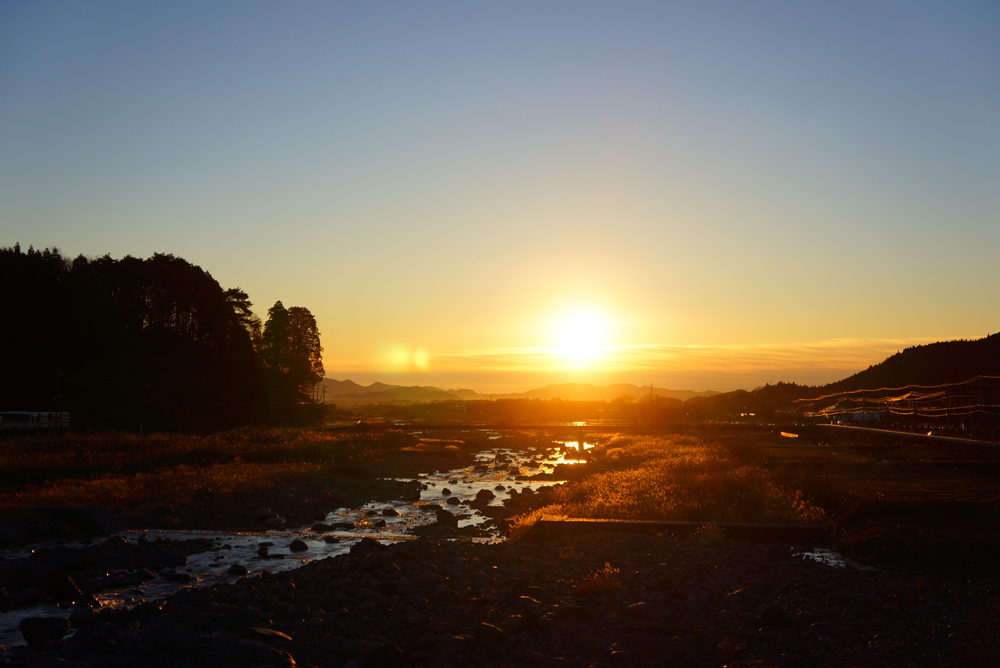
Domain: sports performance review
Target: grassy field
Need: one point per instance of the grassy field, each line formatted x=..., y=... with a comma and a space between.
x=718, y=475
x=117, y=469
x=678, y=478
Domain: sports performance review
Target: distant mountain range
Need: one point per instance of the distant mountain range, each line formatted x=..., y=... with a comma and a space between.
x=349, y=392
x=932, y=364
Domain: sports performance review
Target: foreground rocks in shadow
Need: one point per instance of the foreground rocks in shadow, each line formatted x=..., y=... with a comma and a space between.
x=601, y=600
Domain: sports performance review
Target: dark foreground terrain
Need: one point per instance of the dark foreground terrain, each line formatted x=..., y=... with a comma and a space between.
x=598, y=600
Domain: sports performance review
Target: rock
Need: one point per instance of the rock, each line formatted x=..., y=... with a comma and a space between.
x=319, y=517
x=514, y=622
x=446, y=491
x=65, y=558
x=38, y=630
x=81, y=616
x=367, y=546
x=453, y=501
x=446, y=519
x=571, y=612
x=319, y=527
x=390, y=512
x=262, y=550
x=379, y=524
x=450, y=647
x=360, y=647
x=274, y=522
x=53, y=662
x=237, y=569
x=485, y=494
x=638, y=610
x=343, y=526
x=773, y=616
x=385, y=656
x=484, y=632
x=330, y=539
x=499, y=488
x=827, y=630
x=262, y=514
x=297, y=546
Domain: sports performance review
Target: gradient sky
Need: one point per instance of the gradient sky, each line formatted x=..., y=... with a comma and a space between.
x=736, y=192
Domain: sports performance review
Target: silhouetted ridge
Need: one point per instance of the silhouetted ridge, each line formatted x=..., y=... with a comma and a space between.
x=931, y=365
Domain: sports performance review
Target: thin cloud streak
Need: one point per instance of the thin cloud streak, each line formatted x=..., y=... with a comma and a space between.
x=704, y=366
x=834, y=353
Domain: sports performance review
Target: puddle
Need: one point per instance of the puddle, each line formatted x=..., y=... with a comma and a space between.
x=832, y=558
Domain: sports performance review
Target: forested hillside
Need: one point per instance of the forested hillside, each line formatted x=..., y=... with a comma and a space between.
x=929, y=365
x=155, y=342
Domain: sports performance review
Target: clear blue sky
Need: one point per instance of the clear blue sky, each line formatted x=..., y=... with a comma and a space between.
x=726, y=188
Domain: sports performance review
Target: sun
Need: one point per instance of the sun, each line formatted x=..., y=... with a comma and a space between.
x=581, y=336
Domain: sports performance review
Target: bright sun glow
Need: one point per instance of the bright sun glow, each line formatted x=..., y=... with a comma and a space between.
x=581, y=336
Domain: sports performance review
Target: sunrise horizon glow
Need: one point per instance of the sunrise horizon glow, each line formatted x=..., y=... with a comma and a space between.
x=501, y=196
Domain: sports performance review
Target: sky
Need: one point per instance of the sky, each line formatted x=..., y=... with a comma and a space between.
x=501, y=195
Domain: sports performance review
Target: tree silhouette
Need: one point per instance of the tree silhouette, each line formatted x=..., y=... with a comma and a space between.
x=154, y=342
x=292, y=361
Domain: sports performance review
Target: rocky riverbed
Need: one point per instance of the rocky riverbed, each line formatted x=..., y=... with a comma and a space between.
x=299, y=596
x=598, y=600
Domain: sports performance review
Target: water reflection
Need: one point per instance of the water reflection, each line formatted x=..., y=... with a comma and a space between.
x=495, y=470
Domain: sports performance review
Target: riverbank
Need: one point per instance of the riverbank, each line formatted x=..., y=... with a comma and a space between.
x=604, y=600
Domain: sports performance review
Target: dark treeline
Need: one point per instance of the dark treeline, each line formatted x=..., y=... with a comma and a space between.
x=155, y=343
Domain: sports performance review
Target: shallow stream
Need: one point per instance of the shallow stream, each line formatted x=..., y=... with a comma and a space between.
x=491, y=470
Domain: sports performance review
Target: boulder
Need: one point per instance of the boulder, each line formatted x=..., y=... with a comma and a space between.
x=385, y=656
x=65, y=558
x=484, y=632
x=297, y=546
x=38, y=630
x=773, y=616
x=390, y=512
x=237, y=569
x=446, y=519
x=453, y=501
x=485, y=494
x=367, y=546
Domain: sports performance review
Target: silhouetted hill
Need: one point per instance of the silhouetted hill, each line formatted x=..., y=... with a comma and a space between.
x=588, y=392
x=349, y=392
x=931, y=364
x=346, y=391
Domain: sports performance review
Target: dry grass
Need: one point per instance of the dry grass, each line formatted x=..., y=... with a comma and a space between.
x=118, y=470
x=520, y=524
x=169, y=486
x=69, y=453
x=599, y=582
x=676, y=478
